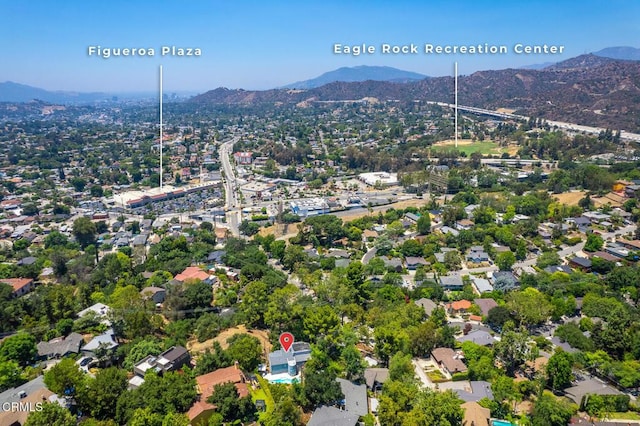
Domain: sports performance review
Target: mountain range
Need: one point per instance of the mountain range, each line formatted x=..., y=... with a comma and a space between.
x=15, y=92
x=359, y=73
x=589, y=89
x=600, y=89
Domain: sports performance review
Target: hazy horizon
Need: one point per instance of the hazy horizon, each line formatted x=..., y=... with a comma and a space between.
x=252, y=45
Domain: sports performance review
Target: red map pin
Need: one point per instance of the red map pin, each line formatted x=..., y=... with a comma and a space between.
x=286, y=340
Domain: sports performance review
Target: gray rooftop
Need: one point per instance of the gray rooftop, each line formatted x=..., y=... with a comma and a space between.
x=355, y=397
x=479, y=337
x=427, y=304
x=373, y=375
x=332, y=416
x=591, y=386
x=60, y=346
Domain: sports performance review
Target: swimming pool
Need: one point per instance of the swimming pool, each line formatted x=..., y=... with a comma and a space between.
x=501, y=423
x=284, y=381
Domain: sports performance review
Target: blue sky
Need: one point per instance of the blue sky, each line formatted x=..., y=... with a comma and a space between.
x=264, y=44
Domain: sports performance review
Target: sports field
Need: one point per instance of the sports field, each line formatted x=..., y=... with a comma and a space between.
x=468, y=146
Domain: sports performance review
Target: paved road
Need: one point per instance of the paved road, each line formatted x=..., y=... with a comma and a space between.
x=230, y=186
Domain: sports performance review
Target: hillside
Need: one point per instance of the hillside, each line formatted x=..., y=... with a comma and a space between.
x=588, y=90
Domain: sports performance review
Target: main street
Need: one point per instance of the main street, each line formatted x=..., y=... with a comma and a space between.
x=231, y=204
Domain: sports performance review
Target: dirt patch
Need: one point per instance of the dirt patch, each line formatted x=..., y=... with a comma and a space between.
x=569, y=198
x=453, y=141
x=398, y=205
x=200, y=347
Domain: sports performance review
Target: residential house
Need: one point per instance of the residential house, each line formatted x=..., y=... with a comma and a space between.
x=157, y=294
x=201, y=410
x=21, y=286
x=427, y=304
x=451, y=282
x=243, y=158
x=221, y=235
x=477, y=255
x=355, y=397
x=369, y=235
x=458, y=307
x=475, y=414
x=504, y=280
x=589, y=387
x=290, y=362
x=393, y=264
x=216, y=256
x=482, y=285
x=412, y=217
x=194, y=273
x=448, y=230
x=485, y=305
x=448, y=361
x=375, y=377
x=479, y=337
x=582, y=263
x=413, y=262
x=17, y=406
x=617, y=251
x=100, y=310
x=464, y=224
x=60, y=346
x=581, y=223
x=170, y=360
x=332, y=416
x=558, y=268
x=633, y=245
x=100, y=345
x=605, y=256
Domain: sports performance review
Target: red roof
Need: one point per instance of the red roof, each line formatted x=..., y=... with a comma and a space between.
x=207, y=382
x=192, y=272
x=17, y=283
x=460, y=305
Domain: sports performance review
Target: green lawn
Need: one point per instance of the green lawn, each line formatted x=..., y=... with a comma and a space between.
x=629, y=415
x=263, y=393
x=483, y=147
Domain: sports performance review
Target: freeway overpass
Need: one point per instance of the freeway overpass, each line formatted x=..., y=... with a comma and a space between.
x=633, y=137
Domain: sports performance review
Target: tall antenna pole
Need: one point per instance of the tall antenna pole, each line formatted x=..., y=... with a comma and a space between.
x=160, y=127
x=456, y=100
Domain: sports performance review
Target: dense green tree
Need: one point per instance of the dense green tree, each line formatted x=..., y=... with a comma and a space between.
x=531, y=307
x=512, y=349
x=85, y=231
x=173, y=392
x=320, y=321
x=549, y=258
x=354, y=364
x=559, y=370
x=424, y=224
x=436, y=408
x=20, y=348
x=52, y=414
x=285, y=413
x=55, y=239
x=10, y=374
x=505, y=260
x=246, y=350
x=229, y=404
x=498, y=316
x=101, y=394
x=594, y=242
x=550, y=411
x=65, y=378
x=140, y=350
